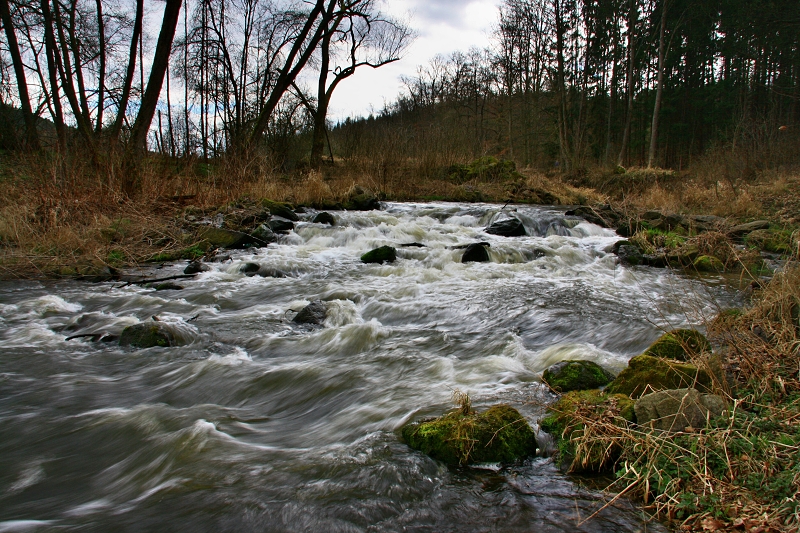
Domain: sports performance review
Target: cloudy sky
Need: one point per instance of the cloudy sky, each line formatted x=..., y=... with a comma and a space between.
x=441, y=26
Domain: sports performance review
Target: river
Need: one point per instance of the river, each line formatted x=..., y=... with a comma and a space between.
x=260, y=424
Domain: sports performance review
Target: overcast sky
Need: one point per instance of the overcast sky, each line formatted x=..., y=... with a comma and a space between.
x=441, y=26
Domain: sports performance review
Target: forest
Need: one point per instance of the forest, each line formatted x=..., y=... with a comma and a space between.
x=564, y=85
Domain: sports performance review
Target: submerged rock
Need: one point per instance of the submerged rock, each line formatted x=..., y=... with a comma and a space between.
x=645, y=373
x=314, y=313
x=249, y=269
x=675, y=410
x=148, y=335
x=499, y=434
x=568, y=376
x=384, y=254
x=168, y=286
x=510, y=227
x=565, y=423
x=475, y=253
x=324, y=218
x=195, y=267
x=679, y=344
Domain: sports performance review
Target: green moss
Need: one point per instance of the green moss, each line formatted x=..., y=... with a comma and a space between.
x=564, y=422
x=646, y=374
x=384, y=254
x=115, y=256
x=708, y=263
x=280, y=209
x=576, y=375
x=500, y=434
x=679, y=344
x=770, y=240
x=650, y=239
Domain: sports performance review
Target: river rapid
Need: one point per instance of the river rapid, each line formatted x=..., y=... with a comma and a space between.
x=260, y=424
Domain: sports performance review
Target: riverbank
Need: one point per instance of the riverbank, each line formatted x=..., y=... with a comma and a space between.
x=740, y=473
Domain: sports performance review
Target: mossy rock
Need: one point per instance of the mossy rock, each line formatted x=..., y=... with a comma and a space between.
x=774, y=241
x=225, y=238
x=565, y=422
x=708, y=263
x=280, y=209
x=361, y=199
x=568, y=376
x=679, y=344
x=499, y=434
x=384, y=254
x=683, y=256
x=149, y=335
x=646, y=373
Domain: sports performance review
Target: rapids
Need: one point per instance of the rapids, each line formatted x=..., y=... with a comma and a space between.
x=259, y=424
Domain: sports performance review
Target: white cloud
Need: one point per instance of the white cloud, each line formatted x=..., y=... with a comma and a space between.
x=442, y=26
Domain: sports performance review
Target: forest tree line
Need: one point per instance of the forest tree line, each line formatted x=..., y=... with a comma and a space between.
x=95, y=71
x=565, y=83
x=573, y=84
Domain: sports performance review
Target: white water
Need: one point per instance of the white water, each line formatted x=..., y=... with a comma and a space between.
x=260, y=424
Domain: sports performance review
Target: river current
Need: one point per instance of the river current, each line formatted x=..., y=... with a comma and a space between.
x=260, y=424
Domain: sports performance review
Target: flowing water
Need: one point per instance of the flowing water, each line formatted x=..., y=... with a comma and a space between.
x=259, y=424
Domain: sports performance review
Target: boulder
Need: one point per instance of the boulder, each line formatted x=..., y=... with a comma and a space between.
x=226, y=238
x=361, y=199
x=655, y=260
x=677, y=410
x=324, y=218
x=314, y=313
x=743, y=229
x=510, y=227
x=278, y=225
x=683, y=256
x=565, y=423
x=604, y=216
x=630, y=254
x=280, y=209
x=774, y=241
x=272, y=273
x=475, y=253
x=413, y=245
x=702, y=223
x=568, y=376
x=149, y=334
x=249, y=269
x=499, y=434
x=646, y=373
x=264, y=234
x=708, y=263
x=195, y=267
x=679, y=344
x=384, y=254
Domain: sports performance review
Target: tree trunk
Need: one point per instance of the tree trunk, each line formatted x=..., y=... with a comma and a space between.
x=626, y=134
x=157, y=72
x=31, y=135
x=101, y=82
x=116, y=128
x=660, y=88
x=52, y=54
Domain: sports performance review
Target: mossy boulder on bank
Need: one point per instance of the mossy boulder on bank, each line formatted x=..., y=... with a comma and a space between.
x=226, y=238
x=280, y=209
x=675, y=410
x=568, y=376
x=647, y=374
x=679, y=344
x=499, y=434
x=149, y=335
x=384, y=254
x=708, y=263
x=361, y=199
x=565, y=422
x=769, y=240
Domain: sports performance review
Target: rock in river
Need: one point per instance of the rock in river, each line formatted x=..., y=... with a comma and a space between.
x=324, y=218
x=567, y=376
x=384, y=254
x=510, y=227
x=150, y=334
x=314, y=313
x=475, y=253
x=499, y=434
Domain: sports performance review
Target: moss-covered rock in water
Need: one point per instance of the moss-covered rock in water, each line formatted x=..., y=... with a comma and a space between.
x=148, y=335
x=499, y=434
x=679, y=344
x=568, y=376
x=648, y=374
x=566, y=422
x=225, y=238
x=384, y=254
x=708, y=263
x=280, y=209
x=361, y=199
